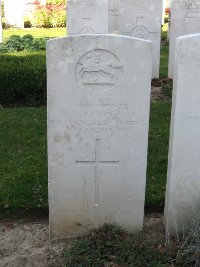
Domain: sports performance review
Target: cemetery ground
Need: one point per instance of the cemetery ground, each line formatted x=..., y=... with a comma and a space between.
x=23, y=184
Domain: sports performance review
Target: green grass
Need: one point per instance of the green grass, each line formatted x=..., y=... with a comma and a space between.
x=164, y=54
x=157, y=154
x=164, y=61
x=36, y=32
x=23, y=149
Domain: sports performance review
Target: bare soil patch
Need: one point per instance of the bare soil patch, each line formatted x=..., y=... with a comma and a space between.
x=157, y=94
x=25, y=243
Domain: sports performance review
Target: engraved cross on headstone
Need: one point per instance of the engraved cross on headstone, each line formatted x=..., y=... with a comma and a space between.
x=97, y=162
x=140, y=31
x=87, y=22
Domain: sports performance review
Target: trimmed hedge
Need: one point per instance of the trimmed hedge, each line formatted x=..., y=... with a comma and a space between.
x=23, y=79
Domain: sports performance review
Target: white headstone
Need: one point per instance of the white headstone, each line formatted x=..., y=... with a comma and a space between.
x=98, y=113
x=14, y=12
x=87, y=16
x=143, y=19
x=113, y=16
x=183, y=184
x=184, y=19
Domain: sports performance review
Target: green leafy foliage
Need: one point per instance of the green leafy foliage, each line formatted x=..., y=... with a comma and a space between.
x=50, y=15
x=55, y=2
x=18, y=43
x=112, y=246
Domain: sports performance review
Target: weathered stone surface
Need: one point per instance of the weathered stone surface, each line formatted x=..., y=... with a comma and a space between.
x=87, y=16
x=184, y=19
x=183, y=184
x=143, y=19
x=113, y=16
x=98, y=112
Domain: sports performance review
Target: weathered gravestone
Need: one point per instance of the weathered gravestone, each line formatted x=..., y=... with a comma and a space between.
x=87, y=16
x=113, y=16
x=183, y=184
x=184, y=19
x=143, y=19
x=98, y=113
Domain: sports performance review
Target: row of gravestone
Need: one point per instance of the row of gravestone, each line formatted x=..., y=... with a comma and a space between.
x=138, y=18
x=141, y=19
x=98, y=115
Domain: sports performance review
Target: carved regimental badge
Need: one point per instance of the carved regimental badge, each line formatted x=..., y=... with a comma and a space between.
x=140, y=31
x=98, y=67
x=193, y=9
x=86, y=30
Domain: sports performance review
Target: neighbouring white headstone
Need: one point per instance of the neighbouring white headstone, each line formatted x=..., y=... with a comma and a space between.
x=113, y=16
x=183, y=183
x=14, y=13
x=98, y=112
x=143, y=19
x=87, y=16
x=184, y=19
